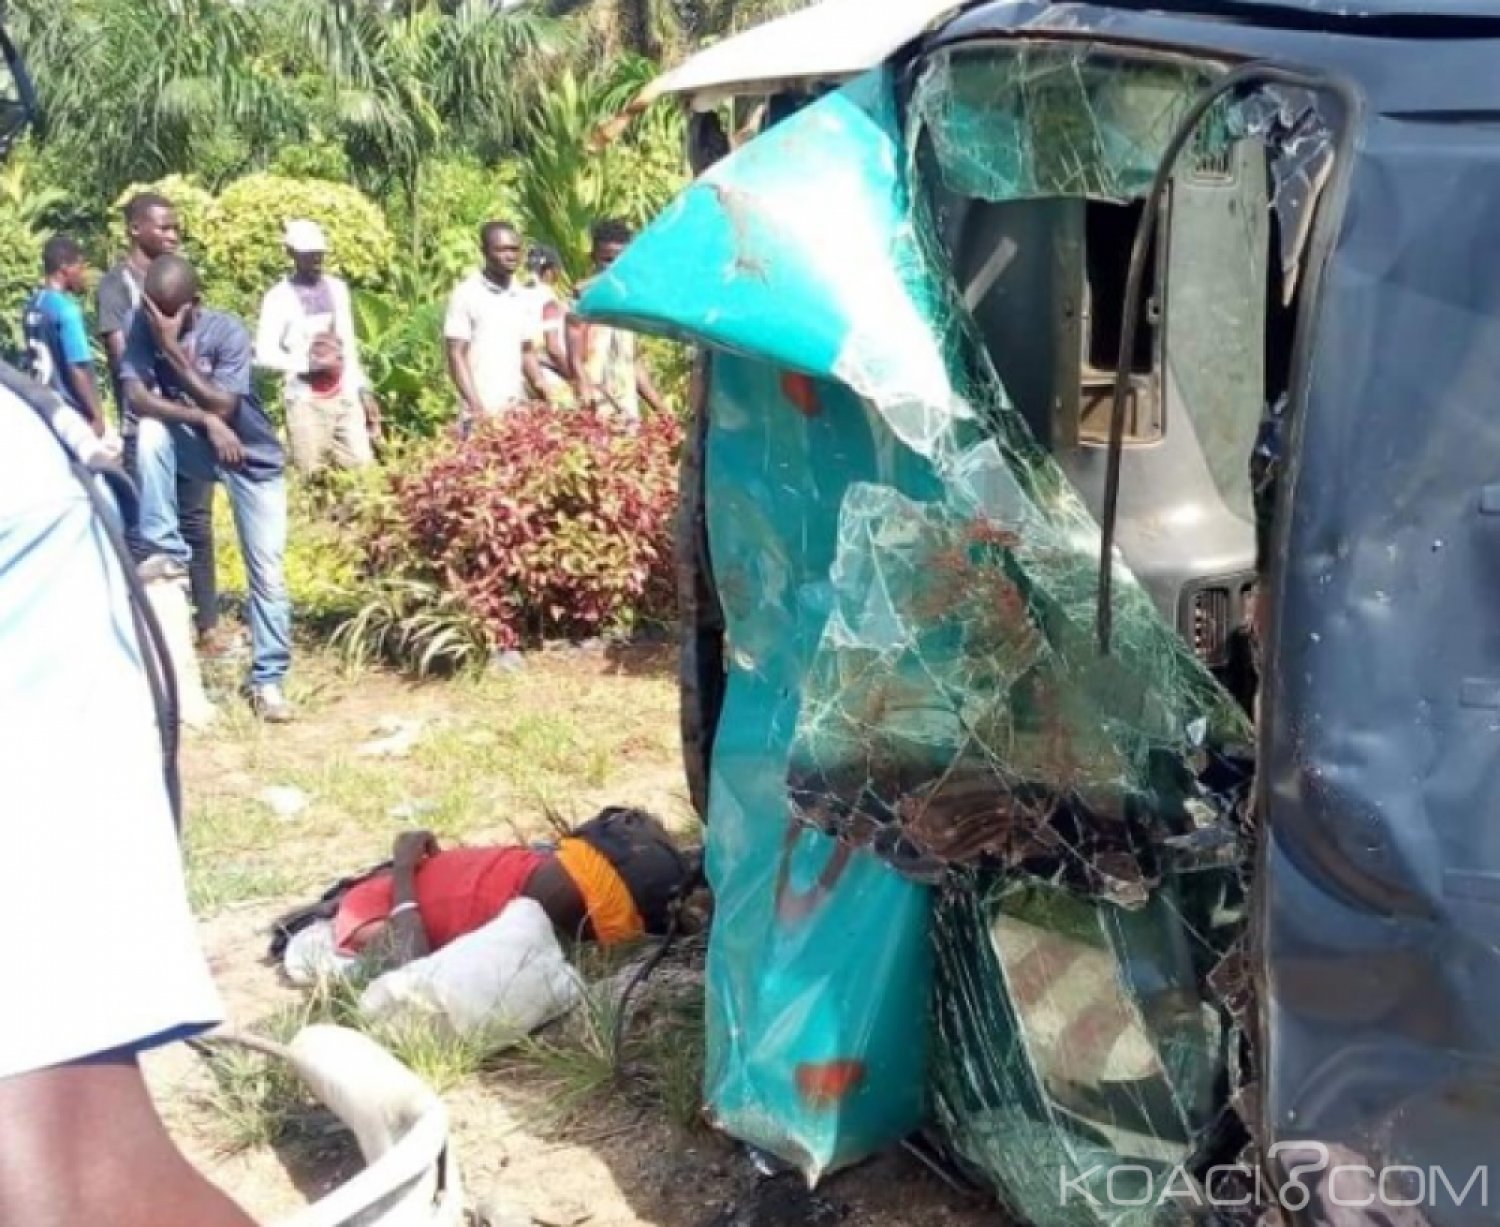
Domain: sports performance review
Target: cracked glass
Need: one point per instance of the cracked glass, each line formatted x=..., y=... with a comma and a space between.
x=908, y=577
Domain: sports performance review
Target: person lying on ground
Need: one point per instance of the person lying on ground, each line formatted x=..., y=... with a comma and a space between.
x=616, y=878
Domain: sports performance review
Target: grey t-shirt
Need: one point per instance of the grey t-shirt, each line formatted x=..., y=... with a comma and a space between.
x=118, y=298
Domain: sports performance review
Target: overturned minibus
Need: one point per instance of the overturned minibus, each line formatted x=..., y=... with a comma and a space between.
x=1064, y=363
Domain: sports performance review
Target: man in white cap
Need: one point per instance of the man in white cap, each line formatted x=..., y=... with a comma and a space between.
x=306, y=333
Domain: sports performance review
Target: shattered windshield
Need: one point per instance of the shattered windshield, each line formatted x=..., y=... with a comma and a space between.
x=903, y=483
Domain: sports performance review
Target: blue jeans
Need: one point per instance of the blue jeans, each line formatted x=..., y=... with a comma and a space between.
x=175, y=516
x=155, y=468
x=259, y=507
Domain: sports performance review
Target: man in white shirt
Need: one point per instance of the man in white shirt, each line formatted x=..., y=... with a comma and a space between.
x=306, y=333
x=492, y=330
x=118, y=970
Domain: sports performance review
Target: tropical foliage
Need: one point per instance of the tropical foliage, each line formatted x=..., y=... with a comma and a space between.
x=243, y=248
x=401, y=126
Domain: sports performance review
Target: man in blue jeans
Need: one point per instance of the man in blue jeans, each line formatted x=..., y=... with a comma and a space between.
x=188, y=366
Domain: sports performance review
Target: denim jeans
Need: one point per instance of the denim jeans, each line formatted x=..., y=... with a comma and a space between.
x=153, y=463
x=259, y=507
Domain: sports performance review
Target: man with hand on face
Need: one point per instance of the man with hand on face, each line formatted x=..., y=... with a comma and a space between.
x=306, y=334
x=176, y=527
x=491, y=332
x=189, y=367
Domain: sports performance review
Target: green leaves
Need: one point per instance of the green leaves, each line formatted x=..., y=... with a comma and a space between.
x=565, y=183
x=141, y=88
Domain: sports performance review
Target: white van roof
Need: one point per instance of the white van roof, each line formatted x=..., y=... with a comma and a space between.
x=830, y=41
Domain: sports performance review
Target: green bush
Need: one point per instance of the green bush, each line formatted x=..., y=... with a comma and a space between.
x=402, y=350
x=20, y=266
x=314, y=159
x=242, y=242
x=545, y=524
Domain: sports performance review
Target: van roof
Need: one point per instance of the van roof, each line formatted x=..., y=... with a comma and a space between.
x=838, y=39
x=827, y=42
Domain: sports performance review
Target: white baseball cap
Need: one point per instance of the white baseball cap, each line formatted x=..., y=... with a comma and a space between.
x=305, y=236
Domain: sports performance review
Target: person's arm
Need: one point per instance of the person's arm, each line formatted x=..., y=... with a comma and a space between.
x=114, y=307
x=343, y=327
x=137, y=381
x=554, y=329
x=647, y=388
x=79, y=356
x=463, y=377
x=83, y=1144
x=354, y=369
x=578, y=338
x=86, y=389
x=405, y=937
x=272, y=352
x=458, y=333
x=531, y=367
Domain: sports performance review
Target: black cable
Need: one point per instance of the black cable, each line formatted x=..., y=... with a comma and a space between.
x=1246, y=74
x=643, y=973
x=648, y=968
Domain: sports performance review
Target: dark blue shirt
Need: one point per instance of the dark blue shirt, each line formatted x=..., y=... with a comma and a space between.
x=220, y=348
x=55, y=340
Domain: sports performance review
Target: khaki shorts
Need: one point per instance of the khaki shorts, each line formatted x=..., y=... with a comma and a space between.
x=328, y=430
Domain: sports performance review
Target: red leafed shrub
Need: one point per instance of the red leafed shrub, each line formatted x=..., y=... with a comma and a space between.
x=548, y=523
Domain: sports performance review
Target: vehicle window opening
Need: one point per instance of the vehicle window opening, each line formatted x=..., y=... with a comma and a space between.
x=1044, y=278
x=1109, y=232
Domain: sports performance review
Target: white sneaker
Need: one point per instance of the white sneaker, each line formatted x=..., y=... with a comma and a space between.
x=270, y=704
x=160, y=567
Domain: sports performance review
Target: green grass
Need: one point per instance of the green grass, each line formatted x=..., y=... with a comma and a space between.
x=255, y=1099
x=574, y=1063
x=499, y=758
x=218, y=886
x=229, y=844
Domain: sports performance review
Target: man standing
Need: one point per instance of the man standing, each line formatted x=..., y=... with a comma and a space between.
x=491, y=332
x=57, y=342
x=175, y=528
x=189, y=367
x=551, y=311
x=611, y=379
x=306, y=333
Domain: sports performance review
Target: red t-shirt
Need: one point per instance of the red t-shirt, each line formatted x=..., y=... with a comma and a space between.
x=457, y=892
